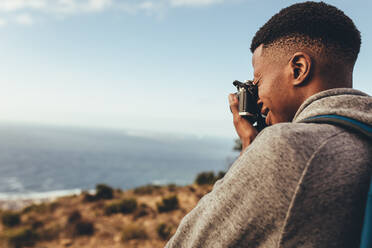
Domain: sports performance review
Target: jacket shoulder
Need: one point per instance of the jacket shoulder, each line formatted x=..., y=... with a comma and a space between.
x=298, y=136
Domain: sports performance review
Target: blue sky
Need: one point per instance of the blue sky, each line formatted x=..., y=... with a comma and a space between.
x=159, y=66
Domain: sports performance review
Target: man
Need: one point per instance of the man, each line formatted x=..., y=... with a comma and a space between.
x=296, y=184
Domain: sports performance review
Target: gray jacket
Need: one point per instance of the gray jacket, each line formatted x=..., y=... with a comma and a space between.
x=297, y=185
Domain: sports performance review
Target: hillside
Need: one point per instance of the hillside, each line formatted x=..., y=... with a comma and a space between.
x=143, y=217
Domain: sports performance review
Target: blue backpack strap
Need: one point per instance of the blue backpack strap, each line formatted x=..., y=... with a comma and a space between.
x=342, y=121
x=366, y=238
x=366, y=241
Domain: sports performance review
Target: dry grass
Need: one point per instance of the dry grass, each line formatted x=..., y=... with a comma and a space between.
x=52, y=223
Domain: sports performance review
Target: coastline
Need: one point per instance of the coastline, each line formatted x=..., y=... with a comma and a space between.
x=17, y=201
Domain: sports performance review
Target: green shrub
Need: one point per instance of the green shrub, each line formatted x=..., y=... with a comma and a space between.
x=124, y=206
x=172, y=187
x=140, y=213
x=133, y=232
x=28, y=209
x=83, y=227
x=49, y=233
x=53, y=206
x=128, y=205
x=37, y=224
x=205, y=178
x=146, y=190
x=143, y=210
x=10, y=219
x=87, y=197
x=168, y=204
x=238, y=146
x=20, y=237
x=112, y=208
x=38, y=208
x=163, y=231
x=220, y=175
x=41, y=208
x=104, y=192
x=191, y=188
x=74, y=216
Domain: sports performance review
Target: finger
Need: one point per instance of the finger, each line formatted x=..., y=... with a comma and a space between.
x=237, y=119
x=234, y=103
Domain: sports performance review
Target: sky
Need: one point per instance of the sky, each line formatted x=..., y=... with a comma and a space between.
x=152, y=65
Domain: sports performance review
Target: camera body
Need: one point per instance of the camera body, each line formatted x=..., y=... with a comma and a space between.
x=248, y=95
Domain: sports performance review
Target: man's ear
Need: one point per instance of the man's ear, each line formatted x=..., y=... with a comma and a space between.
x=300, y=66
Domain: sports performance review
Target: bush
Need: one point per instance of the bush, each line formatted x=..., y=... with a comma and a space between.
x=163, y=231
x=146, y=190
x=205, y=178
x=37, y=224
x=133, y=232
x=21, y=237
x=172, y=187
x=140, y=213
x=124, y=206
x=83, y=227
x=238, y=146
x=220, y=175
x=74, y=216
x=168, y=204
x=191, y=188
x=112, y=208
x=143, y=210
x=38, y=208
x=104, y=192
x=53, y=206
x=88, y=197
x=10, y=219
x=49, y=233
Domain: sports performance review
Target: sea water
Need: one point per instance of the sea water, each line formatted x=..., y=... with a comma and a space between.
x=37, y=161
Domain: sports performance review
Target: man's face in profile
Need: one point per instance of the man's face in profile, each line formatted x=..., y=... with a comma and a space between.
x=274, y=87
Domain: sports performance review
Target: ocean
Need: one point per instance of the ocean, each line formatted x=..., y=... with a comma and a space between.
x=41, y=161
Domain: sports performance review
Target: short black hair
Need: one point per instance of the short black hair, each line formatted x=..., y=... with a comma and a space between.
x=312, y=20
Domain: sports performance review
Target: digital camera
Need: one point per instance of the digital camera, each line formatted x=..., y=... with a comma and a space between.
x=248, y=95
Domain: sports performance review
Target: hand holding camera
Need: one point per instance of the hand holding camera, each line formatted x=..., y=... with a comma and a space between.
x=248, y=120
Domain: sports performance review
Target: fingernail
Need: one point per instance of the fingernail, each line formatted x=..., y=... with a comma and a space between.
x=231, y=98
